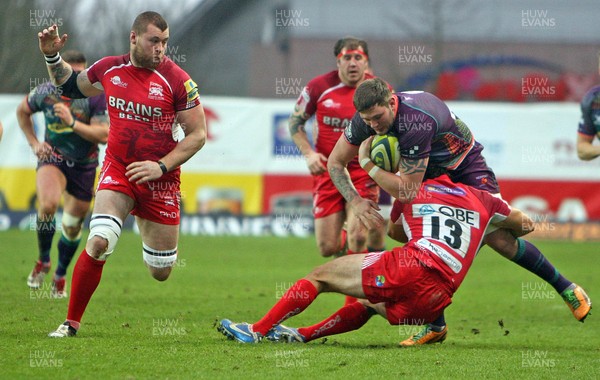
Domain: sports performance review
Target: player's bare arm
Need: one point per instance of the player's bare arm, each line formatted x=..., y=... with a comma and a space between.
x=60, y=72
x=193, y=123
x=96, y=131
x=396, y=232
x=25, y=122
x=517, y=222
x=42, y=150
x=585, y=150
x=364, y=209
x=337, y=165
x=296, y=124
x=404, y=186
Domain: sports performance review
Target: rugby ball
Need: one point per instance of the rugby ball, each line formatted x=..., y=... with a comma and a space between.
x=384, y=153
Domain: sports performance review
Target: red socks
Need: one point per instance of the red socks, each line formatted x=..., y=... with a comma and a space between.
x=294, y=301
x=348, y=318
x=86, y=277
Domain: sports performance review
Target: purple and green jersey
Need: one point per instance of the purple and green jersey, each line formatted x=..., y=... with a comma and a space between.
x=589, y=124
x=425, y=127
x=60, y=136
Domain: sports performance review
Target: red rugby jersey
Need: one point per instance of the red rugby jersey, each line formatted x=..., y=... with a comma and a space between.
x=446, y=222
x=331, y=101
x=142, y=105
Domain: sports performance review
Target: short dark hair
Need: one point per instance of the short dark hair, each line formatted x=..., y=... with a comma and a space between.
x=73, y=56
x=370, y=93
x=141, y=22
x=350, y=43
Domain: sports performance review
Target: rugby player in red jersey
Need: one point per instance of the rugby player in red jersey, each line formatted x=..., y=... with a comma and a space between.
x=146, y=95
x=412, y=284
x=329, y=98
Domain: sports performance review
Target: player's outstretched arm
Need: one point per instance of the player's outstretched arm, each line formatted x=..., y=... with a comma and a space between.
x=365, y=209
x=517, y=222
x=337, y=165
x=585, y=150
x=60, y=72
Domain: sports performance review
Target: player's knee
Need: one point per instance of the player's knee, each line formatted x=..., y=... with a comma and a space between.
x=160, y=274
x=503, y=242
x=96, y=247
x=71, y=226
x=320, y=274
x=47, y=207
x=357, y=242
x=326, y=249
x=104, y=233
x=159, y=262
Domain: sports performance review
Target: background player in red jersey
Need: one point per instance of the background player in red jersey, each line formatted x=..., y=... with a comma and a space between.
x=329, y=97
x=67, y=162
x=589, y=125
x=146, y=94
x=407, y=285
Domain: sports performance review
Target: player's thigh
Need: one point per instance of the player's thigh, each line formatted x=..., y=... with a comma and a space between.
x=342, y=275
x=160, y=237
x=50, y=184
x=113, y=203
x=328, y=228
x=75, y=206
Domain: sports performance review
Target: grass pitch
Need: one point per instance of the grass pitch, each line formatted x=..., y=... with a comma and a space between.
x=504, y=323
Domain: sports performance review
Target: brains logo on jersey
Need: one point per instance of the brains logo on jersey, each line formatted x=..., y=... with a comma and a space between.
x=191, y=88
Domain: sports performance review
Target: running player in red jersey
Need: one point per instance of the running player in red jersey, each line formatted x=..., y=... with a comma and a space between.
x=329, y=98
x=412, y=284
x=589, y=125
x=147, y=94
x=67, y=162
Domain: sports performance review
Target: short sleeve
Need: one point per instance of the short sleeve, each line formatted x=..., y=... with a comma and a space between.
x=357, y=130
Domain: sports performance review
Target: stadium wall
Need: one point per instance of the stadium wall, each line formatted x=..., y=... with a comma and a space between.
x=250, y=179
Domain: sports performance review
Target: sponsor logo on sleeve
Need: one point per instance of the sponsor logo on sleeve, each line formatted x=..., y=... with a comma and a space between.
x=191, y=88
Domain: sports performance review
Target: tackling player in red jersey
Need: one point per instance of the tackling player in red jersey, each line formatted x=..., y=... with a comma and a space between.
x=146, y=94
x=329, y=98
x=412, y=284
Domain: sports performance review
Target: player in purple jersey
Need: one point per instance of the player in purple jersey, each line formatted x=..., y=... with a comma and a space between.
x=67, y=161
x=430, y=134
x=589, y=125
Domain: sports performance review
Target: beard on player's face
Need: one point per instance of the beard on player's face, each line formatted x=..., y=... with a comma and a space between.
x=142, y=59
